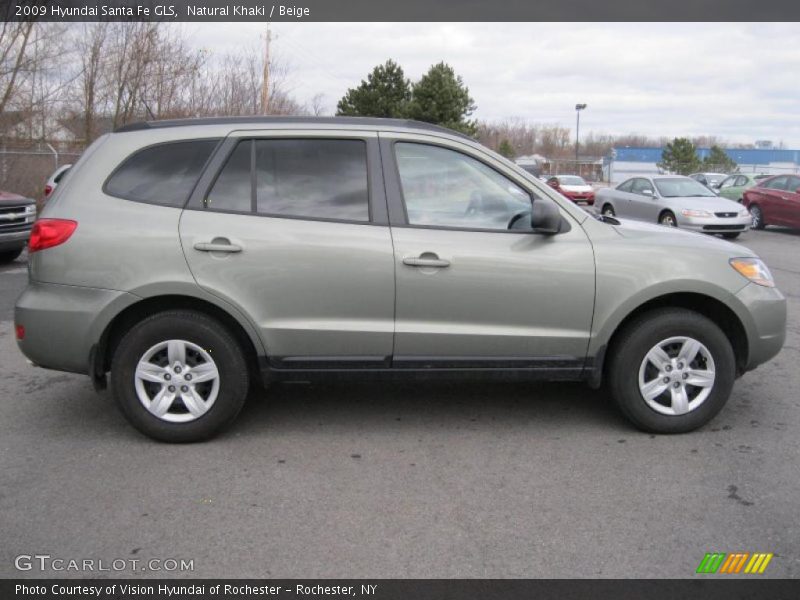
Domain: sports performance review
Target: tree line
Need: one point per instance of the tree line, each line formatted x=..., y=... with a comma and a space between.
x=93, y=77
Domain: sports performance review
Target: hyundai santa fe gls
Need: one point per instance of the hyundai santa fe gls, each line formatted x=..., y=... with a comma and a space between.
x=189, y=259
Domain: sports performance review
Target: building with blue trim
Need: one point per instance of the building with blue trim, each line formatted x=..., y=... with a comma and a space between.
x=632, y=161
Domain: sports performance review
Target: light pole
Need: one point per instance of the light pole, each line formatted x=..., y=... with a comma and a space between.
x=578, y=109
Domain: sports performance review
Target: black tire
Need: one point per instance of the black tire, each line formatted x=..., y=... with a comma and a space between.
x=667, y=219
x=208, y=334
x=633, y=344
x=758, y=217
x=10, y=256
x=731, y=236
x=608, y=210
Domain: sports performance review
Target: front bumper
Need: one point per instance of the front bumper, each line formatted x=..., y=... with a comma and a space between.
x=63, y=322
x=715, y=224
x=764, y=319
x=14, y=240
x=580, y=198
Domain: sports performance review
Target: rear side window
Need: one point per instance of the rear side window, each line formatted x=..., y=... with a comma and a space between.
x=312, y=178
x=302, y=178
x=164, y=174
x=779, y=183
x=625, y=187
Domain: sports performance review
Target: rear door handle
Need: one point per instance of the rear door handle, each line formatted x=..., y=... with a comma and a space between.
x=216, y=247
x=426, y=260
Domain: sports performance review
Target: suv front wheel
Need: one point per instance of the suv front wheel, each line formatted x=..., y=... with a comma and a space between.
x=672, y=370
x=179, y=376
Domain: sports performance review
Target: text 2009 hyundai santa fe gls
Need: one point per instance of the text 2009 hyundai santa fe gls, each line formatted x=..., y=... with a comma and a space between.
x=188, y=258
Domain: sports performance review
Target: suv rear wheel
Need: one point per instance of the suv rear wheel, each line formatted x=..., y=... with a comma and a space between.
x=179, y=376
x=672, y=371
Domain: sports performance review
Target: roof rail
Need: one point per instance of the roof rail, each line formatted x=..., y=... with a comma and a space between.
x=269, y=120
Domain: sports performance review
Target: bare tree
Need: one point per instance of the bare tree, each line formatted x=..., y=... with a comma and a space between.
x=15, y=59
x=318, y=105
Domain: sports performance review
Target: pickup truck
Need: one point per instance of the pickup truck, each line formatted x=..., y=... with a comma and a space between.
x=17, y=215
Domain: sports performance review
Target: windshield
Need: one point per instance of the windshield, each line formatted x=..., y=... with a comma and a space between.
x=682, y=188
x=571, y=180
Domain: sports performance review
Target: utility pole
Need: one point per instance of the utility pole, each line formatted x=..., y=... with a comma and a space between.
x=265, y=82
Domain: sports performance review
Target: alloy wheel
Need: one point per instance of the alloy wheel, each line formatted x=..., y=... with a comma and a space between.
x=177, y=381
x=676, y=376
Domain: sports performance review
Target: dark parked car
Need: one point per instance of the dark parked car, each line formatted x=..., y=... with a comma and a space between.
x=775, y=201
x=17, y=215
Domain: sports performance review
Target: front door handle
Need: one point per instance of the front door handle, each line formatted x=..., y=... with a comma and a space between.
x=217, y=247
x=428, y=259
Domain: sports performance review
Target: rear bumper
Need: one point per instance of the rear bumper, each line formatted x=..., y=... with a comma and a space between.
x=63, y=322
x=765, y=323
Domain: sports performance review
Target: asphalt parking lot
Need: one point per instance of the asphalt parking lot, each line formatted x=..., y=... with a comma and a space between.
x=464, y=480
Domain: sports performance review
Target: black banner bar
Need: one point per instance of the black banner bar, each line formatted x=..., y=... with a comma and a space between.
x=731, y=588
x=404, y=10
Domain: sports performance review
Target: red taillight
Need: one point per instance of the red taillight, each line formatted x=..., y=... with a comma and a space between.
x=47, y=233
x=48, y=189
x=20, y=332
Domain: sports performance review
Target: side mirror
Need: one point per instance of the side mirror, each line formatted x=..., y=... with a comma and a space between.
x=650, y=193
x=545, y=217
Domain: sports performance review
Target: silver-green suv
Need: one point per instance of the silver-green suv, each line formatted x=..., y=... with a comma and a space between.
x=193, y=258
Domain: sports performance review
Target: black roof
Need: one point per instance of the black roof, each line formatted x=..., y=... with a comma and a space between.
x=263, y=120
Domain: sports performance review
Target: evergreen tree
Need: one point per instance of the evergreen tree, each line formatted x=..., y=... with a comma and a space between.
x=385, y=93
x=680, y=157
x=718, y=160
x=441, y=97
x=506, y=149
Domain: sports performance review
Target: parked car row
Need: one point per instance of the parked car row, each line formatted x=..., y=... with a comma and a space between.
x=706, y=202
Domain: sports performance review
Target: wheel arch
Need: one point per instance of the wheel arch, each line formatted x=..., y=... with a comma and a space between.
x=103, y=350
x=710, y=307
x=665, y=211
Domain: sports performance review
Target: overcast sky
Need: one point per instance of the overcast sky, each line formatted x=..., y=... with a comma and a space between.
x=738, y=81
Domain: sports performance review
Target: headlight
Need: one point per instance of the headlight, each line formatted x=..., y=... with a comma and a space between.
x=754, y=270
x=744, y=213
x=687, y=212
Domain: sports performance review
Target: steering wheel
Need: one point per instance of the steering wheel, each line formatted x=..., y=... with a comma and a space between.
x=518, y=218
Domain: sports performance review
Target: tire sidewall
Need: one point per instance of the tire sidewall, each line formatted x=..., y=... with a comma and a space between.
x=208, y=335
x=640, y=339
x=756, y=210
x=662, y=220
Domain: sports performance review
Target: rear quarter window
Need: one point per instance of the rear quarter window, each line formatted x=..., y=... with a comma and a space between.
x=162, y=174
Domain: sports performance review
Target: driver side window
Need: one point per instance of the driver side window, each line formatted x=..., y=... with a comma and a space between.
x=445, y=188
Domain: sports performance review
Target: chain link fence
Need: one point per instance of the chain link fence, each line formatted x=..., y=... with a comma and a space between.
x=25, y=171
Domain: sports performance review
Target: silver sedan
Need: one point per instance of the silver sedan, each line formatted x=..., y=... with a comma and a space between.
x=675, y=201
